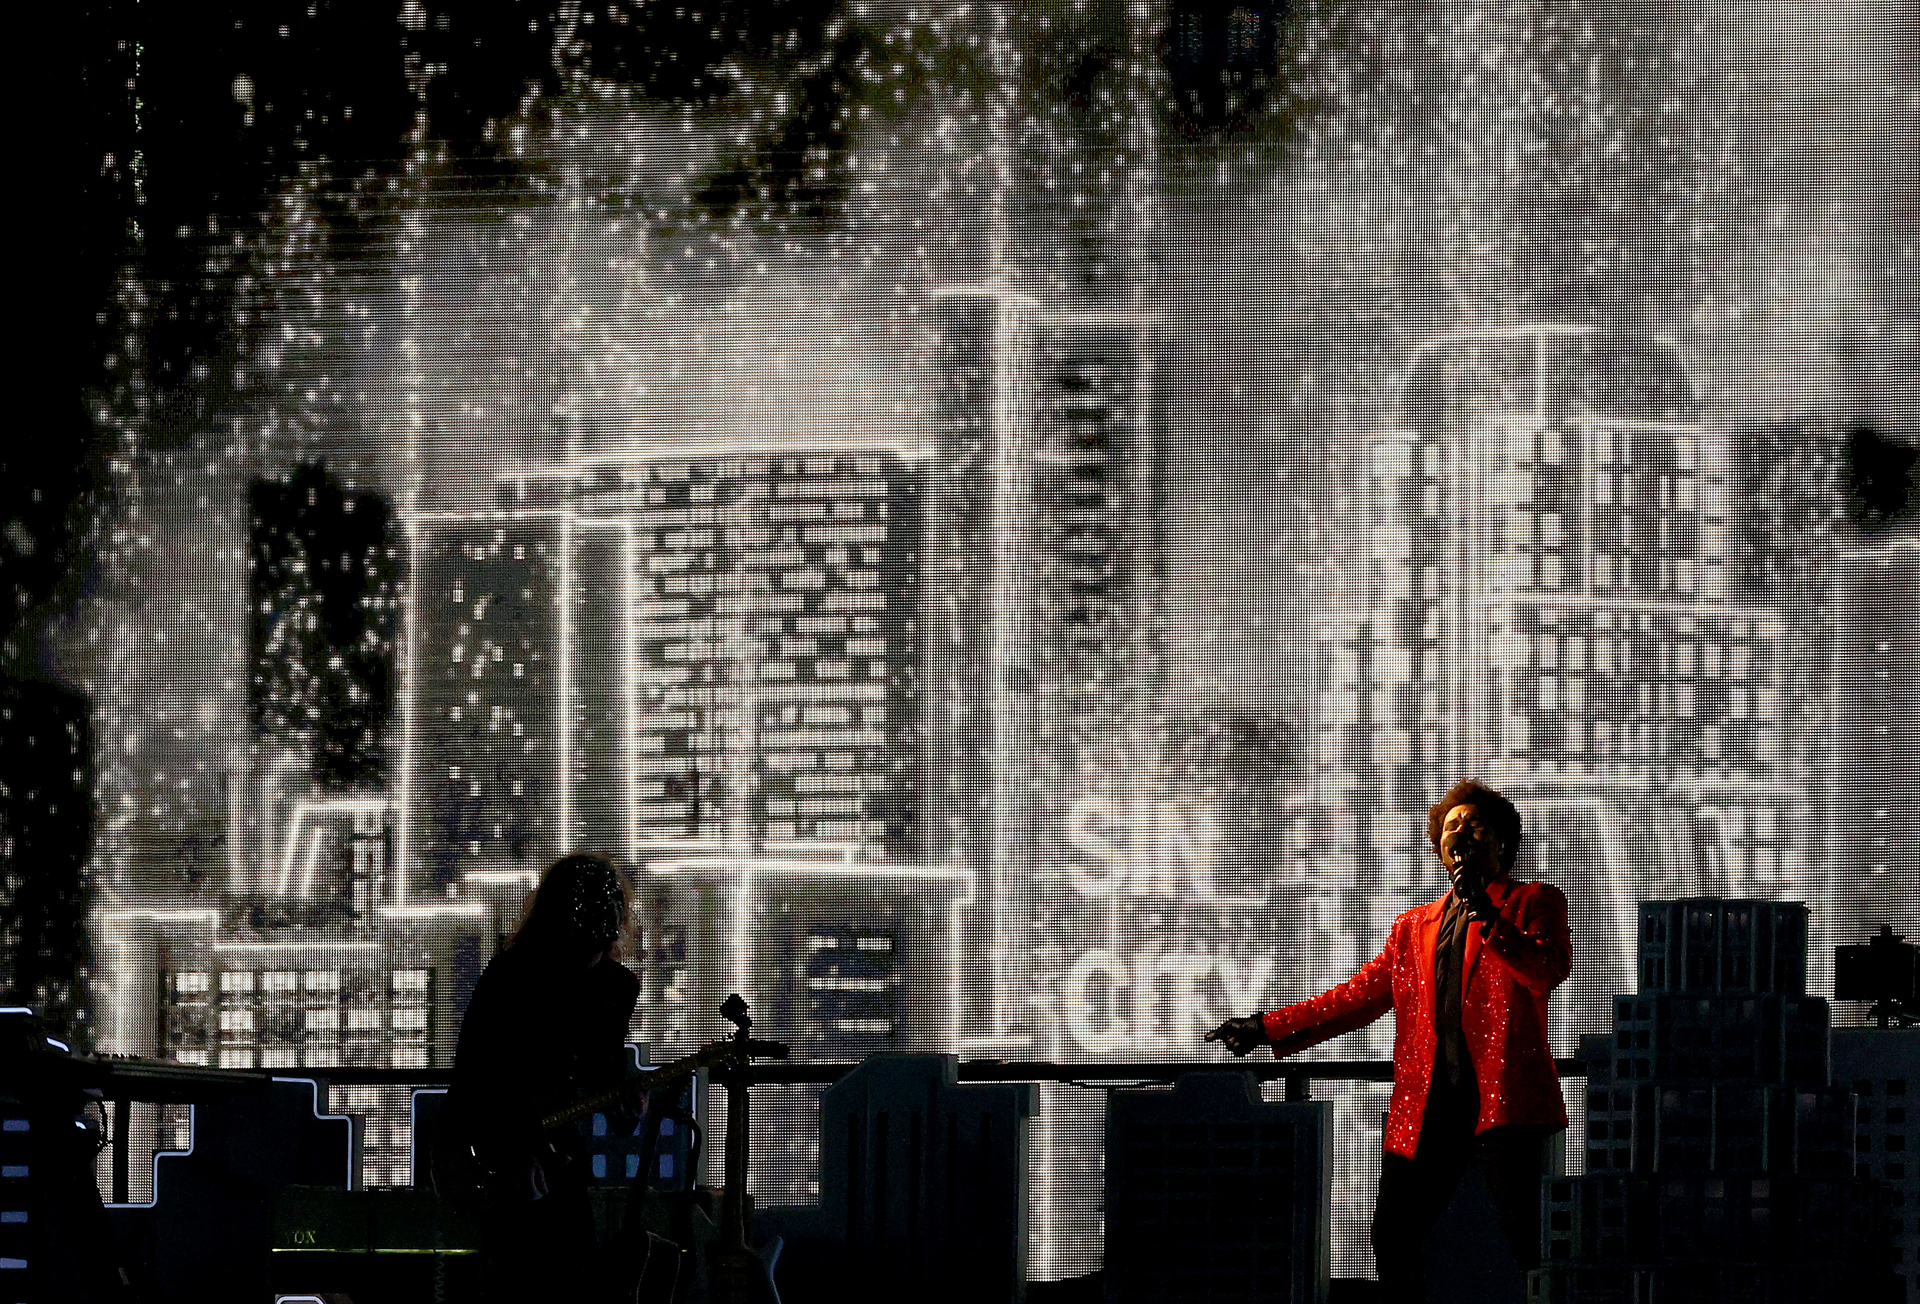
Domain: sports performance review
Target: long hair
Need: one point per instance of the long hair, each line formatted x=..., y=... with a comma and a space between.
x=583, y=901
x=1501, y=816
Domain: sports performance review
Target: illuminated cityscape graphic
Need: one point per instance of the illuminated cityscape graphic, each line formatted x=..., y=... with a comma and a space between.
x=1001, y=523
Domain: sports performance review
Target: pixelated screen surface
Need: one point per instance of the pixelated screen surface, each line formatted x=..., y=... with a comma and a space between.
x=1002, y=519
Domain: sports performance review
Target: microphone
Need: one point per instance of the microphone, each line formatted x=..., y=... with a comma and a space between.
x=1463, y=885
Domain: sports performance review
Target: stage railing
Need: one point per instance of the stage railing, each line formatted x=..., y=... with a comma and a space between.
x=1298, y=1075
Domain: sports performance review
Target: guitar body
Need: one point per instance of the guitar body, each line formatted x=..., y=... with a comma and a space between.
x=478, y=1177
x=475, y=1179
x=473, y=1172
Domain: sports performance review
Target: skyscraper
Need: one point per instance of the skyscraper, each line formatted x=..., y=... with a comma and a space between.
x=718, y=650
x=1044, y=563
x=481, y=768
x=1548, y=608
x=1044, y=560
x=1875, y=737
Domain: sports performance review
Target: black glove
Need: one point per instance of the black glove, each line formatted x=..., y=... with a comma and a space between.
x=1241, y=1035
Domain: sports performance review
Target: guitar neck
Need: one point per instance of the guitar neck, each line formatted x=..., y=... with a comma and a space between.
x=652, y=1080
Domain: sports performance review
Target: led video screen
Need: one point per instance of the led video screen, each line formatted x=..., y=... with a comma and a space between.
x=1001, y=519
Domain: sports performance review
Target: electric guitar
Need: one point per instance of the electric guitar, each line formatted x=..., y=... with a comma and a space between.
x=734, y=1272
x=470, y=1179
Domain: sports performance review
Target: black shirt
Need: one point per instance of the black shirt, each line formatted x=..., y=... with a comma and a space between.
x=1453, y=1074
x=541, y=1030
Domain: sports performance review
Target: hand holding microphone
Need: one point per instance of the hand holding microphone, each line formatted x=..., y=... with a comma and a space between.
x=1469, y=880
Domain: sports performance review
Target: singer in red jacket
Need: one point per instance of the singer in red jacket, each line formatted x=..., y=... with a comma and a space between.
x=1474, y=1082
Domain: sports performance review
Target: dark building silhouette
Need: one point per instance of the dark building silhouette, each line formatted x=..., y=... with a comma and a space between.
x=1215, y=1194
x=1219, y=58
x=1718, y=1164
x=323, y=580
x=1881, y=1066
x=46, y=840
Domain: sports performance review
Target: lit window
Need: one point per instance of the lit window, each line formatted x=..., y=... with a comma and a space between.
x=1192, y=45
x=1243, y=37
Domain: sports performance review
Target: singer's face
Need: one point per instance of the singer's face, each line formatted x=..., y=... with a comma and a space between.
x=1469, y=846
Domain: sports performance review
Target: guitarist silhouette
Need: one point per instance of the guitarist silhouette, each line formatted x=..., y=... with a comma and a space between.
x=547, y=1024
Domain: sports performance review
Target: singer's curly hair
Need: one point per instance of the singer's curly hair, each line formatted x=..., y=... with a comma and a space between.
x=1499, y=813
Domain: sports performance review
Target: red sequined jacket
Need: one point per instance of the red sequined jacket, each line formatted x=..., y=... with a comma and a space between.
x=1503, y=1009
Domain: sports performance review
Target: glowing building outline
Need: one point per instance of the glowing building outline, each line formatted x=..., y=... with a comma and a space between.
x=571, y=520
x=1459, y=683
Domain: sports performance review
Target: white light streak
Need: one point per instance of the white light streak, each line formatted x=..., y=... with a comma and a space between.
x=510, y=877
x=299, y=815
x=402, y=868
x=791, y=868
x=163, y=914
x=564, y=600
x=627, y=597
x=699, y=448
x=434, y=910
x=298, y=947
